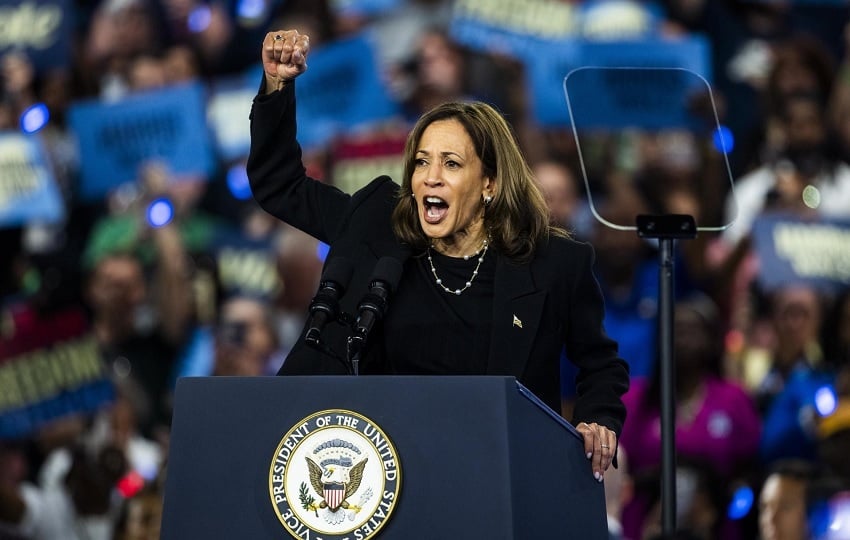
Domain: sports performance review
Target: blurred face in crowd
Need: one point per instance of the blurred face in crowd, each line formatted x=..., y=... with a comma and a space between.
x=299, y=269
x=448, y=184
x=440, y=65
x=618, y=252
x=180, y=65
x=796, y=315
x=692, y=343
x=144, y=517
x=559, y=188
x=805, y=125
x=793, y=73
x=17, y=73
x=245, y=338
x=147, y=73
x=134, y=26
x=117, y=288
x=782, y=509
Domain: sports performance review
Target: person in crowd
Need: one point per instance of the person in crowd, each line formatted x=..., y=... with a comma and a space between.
x=833, y=426
x=782, y=501
x=700, y=505
x=133, y=349
x=833, y=440
x=799, y=64
x=628, y=276
x=438, y=70
x=563, y=193
x=141, y=517
x=246, y=343
x=78, y=502
x=806, y=177
x=795, y=312
x=117, y=32
x=299, y=267
x=716, y=420
x=797, y=375
x=464, y=246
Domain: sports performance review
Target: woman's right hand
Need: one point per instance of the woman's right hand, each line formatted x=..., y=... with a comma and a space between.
x=284, y=57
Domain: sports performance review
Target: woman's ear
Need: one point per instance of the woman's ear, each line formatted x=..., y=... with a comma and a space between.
x=489, y=187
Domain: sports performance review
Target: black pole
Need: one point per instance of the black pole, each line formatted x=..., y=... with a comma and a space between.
x=667, y=228
x=668, y=388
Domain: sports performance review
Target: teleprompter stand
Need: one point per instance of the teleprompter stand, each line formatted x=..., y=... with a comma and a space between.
x=666, y=229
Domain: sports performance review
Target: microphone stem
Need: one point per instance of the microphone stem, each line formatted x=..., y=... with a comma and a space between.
x=354, y=347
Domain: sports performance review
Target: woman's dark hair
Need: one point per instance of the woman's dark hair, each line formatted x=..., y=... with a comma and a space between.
x=518, y=217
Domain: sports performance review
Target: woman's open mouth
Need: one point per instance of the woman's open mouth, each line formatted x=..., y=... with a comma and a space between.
x=435, y=209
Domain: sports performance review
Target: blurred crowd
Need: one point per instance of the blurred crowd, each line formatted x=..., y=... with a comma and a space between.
x=220, y=288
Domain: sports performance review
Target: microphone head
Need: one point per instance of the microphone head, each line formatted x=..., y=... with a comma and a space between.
x=338, y=271
x=388, y=271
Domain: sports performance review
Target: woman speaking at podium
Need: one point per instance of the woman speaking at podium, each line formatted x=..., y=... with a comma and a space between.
x=457, y=271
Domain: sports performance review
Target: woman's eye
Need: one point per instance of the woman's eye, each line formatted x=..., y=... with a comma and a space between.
x=452, y=164
x=419, y=162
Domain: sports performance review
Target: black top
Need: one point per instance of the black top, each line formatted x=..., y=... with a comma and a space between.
x=443, y=333
x=538, y=308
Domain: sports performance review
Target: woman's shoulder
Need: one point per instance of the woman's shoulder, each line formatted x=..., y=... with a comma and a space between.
x=564, y=244
x=564, y=250
x=382, y=186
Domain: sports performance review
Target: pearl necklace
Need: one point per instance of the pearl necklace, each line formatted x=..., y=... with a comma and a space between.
x=482, y=252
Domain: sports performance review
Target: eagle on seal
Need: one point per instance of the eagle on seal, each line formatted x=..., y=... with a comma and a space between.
x=335, y=484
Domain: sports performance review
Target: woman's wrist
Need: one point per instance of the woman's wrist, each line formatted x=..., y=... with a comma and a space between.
x=273, y=84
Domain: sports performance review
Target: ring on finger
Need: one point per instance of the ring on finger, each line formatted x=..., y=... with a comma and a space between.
x=604, y=446
x=278, y=37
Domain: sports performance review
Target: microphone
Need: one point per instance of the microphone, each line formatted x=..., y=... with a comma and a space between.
x=325, y=305
x=372, y=308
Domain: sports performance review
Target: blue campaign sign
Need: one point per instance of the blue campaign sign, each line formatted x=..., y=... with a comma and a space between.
x=228, y=108
x=168, y=125
x=647, y=98
x=40, y=29
x=791, y=250
x=519, y=28
x=512, y=27
x=364, y=7
x=342, y=90
x=28, y=191
x=50, y=367
x=665, y=75
x=246, y=266
x=620, y=19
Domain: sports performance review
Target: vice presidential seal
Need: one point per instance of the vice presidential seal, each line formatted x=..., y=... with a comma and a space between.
x=334, y=476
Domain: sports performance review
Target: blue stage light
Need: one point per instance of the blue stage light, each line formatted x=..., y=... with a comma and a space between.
x=199, y=19
x=34, y=118
x=237, y=182
x=251, y=9
x=741, y=503
x=160, y=212
x=723, y=139
x=829, y=519
x=825, y=400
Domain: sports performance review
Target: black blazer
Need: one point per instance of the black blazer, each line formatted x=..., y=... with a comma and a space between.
x=555, y=297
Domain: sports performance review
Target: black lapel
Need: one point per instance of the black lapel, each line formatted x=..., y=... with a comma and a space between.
x=517, y=307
